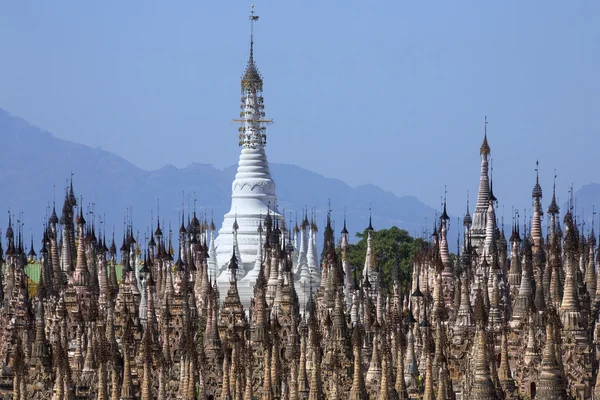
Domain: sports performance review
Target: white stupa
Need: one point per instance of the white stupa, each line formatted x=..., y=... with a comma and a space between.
x=252, y=192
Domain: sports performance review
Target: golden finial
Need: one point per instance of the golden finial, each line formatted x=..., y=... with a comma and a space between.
x=485, y=148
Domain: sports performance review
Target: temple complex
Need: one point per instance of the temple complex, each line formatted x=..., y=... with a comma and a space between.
x=260, y=312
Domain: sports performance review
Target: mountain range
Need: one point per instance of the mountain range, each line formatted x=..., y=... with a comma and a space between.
x=36, y=164
x=586, y=202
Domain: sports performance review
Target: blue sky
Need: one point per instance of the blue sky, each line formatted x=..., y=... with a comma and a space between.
x=391, y=93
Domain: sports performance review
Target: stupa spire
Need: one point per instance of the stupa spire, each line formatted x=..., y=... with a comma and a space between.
x=253, y=190
x=504, y=372
x=483, y=195
x=485, y=148
x=536, y=223
x=483, y=386
x=252, y=78
x=553, y=208
x=551, y=383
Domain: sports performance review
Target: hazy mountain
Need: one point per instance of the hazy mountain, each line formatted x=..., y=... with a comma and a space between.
x=34, y=162
x=586, y=201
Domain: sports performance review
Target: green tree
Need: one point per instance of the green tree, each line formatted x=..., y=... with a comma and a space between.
x=390, y=246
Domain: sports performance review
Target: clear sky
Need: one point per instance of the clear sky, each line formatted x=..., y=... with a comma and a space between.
x=392, y=93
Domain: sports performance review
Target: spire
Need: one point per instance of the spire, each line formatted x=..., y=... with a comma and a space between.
x=485, y=148
x=127, y=390
x=253, y=190
x=590, y=270
x=426, y=352
x=539, y=264
x=411, y=372
x=182, y=229
x=9, y=231
x=40, y=351
x=531, y=350
x=553, y=207
x=504, y=373
x=400, y=384
x=444, y=213
x=81, y=277
x=492, y=197
x=551, y=384
x=53, y=220
x=72, y=198
x=31, y=254
x=467, y=221
x=358, y=390
x=570, y=307
x=536, y=223
x=369, y=272
x=373, y=377
x=489, y=244
x=80, y=220
x=464, y=318
x=158, y=233
x=147, y=350
x=523, y=301
x=344, y=230
x=483, y=386
x=233, y=265
x=252, y=81
x=536, y=193
x=483, y=196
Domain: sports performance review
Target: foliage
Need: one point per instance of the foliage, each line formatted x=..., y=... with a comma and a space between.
x=390, y=246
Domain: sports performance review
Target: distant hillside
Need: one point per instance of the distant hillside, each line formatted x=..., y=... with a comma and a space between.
x=34, y=161
x=587, y=199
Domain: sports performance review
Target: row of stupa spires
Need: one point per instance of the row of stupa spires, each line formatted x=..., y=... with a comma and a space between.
x=506, y=319
x=89, y=325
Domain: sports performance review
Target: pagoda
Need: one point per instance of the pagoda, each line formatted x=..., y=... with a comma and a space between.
x=479, y=222
x=253, y=189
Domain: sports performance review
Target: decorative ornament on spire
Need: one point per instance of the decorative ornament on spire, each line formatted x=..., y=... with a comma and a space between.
x=468, y=220
x=492, y=198
x=370, y=227
x=252, y=117
x=537, y=189
x=553, y=207
x=252, y=81
x=344, y=229
x=444, y=213
x=485, y=148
